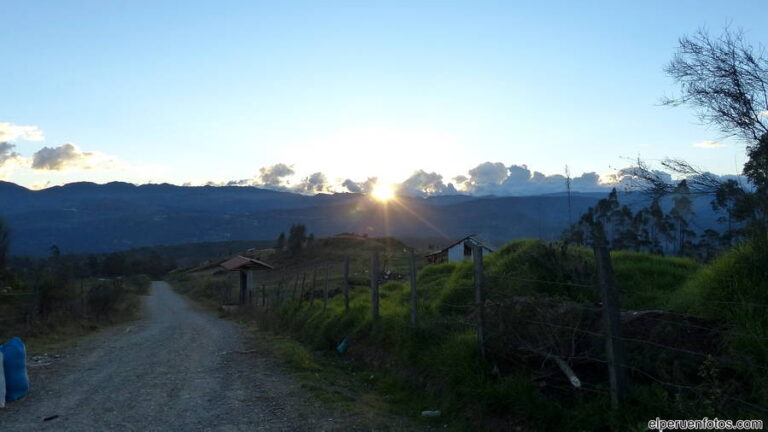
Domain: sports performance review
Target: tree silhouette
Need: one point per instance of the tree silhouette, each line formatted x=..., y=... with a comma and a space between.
x=297, y=237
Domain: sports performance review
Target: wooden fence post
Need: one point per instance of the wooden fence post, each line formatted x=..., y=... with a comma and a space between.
x=614, y=345
x=346, y=283
x=314, y=286
x=325, y=290
x=375, y=285
x=263, y=295
x=477, y=256
x=414, y=292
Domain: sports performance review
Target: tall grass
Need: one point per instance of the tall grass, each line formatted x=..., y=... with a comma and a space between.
x=442, y=360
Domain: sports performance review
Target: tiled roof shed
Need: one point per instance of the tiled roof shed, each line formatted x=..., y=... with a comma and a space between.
x=240, y=262
x=245, y=266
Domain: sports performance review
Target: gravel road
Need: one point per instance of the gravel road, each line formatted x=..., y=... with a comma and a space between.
x=175, y=369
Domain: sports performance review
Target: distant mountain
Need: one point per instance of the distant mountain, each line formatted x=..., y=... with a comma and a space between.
x=88, y=217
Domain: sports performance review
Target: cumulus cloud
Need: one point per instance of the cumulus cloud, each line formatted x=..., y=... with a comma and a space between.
x=460, y=179
x=422, y=183
x=68, y=156
x=314, y=183
x=10, y=160
x=488, y=173
x=360, y=187
x=274, y=176
x=494, y=178
x=708, y=144
x=12, y=132
x=6, y=153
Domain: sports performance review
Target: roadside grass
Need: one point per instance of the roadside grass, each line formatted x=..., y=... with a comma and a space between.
x=438, y=366
x=60, y=328
x=372, y=397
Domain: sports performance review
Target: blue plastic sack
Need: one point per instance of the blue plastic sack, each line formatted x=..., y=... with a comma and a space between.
x=15, y=368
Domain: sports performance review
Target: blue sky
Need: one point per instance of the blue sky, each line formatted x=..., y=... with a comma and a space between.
x=192, y=91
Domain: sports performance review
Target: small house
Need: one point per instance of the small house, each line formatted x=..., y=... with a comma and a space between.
x=246, y=267
x=457, y=251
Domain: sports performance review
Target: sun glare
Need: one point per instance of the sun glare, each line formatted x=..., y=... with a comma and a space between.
x=383, y=192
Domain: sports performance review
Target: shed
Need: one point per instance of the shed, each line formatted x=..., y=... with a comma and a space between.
x=457, y=251
x=246, y=266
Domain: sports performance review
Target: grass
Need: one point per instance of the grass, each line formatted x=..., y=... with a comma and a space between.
x=439, y=366
x=59, y=328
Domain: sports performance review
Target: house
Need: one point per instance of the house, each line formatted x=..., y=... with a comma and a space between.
x=246, y=267
x=457, y=251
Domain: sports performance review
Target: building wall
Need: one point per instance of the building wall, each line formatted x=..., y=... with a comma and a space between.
x=456, y=253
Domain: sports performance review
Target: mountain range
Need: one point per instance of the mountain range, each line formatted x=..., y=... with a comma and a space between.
x=96, y=218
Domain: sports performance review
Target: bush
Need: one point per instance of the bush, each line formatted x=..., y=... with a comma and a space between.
x=734, y=289
x=103, y=298
x=648, y=281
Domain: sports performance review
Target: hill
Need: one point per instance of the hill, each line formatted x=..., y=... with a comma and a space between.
x=87, y=217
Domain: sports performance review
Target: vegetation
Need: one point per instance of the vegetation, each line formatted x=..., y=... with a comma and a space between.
x=66, y=295
x=439, y=366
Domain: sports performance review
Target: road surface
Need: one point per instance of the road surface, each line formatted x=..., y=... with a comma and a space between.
x=176, y=369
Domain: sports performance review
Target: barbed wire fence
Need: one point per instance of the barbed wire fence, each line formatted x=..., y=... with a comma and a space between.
x=79, y=299
x=590, y=346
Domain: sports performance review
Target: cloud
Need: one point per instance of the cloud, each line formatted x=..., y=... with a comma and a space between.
x=273, y=176
x=12, y=132
x=315, y=183
x=422, y=183
x=6, y=153
x=10, y=160
x=708, y=144
x=488, y=173
x=494, y=178
x=763, y=114
x=360, y=187
x=460, y=179
x=68, y=156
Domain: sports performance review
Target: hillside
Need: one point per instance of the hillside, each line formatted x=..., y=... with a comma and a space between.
x=88, y=217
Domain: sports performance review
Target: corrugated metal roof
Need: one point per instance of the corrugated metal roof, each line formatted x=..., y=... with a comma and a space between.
x=240, y=262
x=472, y=237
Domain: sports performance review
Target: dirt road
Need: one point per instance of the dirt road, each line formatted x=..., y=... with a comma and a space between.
x=175, y=369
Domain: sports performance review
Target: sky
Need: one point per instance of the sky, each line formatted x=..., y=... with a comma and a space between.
x=313, y=95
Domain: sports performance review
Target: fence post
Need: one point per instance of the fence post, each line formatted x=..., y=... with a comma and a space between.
x=83, y=312
x=303, y=281
x=375, y=285
x=325, y=290
x=414, y=293
x=263, y=295
x=614, y=346
x=279, y=295
x=346, y=283
x=314, y=286
x=296, y=286
x=477, y=256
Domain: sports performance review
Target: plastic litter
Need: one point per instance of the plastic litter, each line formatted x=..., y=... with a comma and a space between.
x=342, y=346
x=430, y=413
x=15, y=369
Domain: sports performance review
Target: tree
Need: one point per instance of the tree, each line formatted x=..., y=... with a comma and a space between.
x=114, y=264
x=680, y=214
x=725, y=79
x=280, y=245
x=296, y=238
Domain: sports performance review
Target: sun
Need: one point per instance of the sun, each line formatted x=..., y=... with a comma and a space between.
x=383, y=192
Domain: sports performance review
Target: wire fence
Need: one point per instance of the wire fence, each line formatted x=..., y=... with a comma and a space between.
x=569, y=332
x=79, y=299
